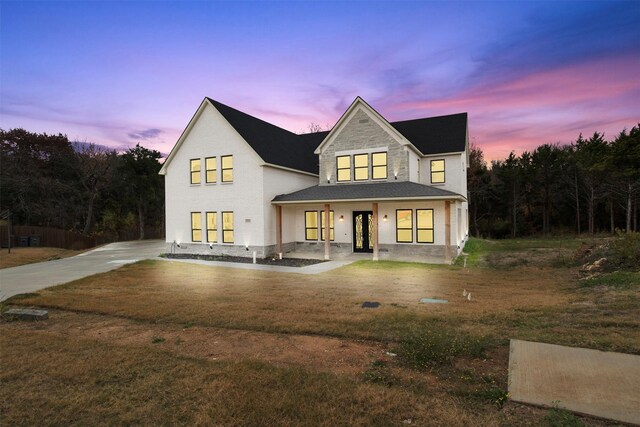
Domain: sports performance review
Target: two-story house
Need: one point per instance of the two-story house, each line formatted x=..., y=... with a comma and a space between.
x=236, y=184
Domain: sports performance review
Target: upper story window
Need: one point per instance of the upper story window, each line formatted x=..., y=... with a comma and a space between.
x=196, y=226
x=344, y=168
x=195, y=167
x=210, y=170
x=227, y=168
x=437, y=171
x=379, y=166
x=361, y=167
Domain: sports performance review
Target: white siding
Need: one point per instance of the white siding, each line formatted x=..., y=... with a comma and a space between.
x=455, y=172
x=278, y=181
x=212, y=135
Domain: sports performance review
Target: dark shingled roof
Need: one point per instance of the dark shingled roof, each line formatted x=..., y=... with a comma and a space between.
x=379, y=190
x=443, y=134
x=272, y=143
x=433, y=135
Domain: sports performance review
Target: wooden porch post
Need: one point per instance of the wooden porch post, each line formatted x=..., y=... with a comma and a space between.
x=447, y=231
x=375, y=232
x=327, y=235
x=279, y=229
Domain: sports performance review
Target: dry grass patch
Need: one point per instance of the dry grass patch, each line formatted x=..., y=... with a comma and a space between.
x=327, y=304
x=161, y=342
x=22, y=256
x=315, y=353
x=102, y=384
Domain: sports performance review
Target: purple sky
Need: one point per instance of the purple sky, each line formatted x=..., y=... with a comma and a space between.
x=117, y=73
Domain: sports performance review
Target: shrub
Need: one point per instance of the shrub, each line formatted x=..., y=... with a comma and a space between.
x=625, y=251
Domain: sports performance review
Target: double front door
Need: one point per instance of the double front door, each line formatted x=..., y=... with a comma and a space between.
x=363, y=231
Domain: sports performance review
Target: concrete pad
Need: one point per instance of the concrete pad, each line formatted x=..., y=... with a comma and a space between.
x=26, y=314
x=33, y=277
x=603, y=384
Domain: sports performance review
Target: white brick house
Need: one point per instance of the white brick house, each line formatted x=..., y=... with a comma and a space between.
x=236, y=184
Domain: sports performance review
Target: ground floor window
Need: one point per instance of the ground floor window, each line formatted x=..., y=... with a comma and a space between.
x=196, y=226
x=424, y=225
x=227, y=227
x=404, y=225
x=331, y=233
x=311, y=225
x=212, y=227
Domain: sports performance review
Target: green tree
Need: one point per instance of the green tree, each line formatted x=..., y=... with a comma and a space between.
x=142, y=185
x=591, y=156
x=624, y=163
x=479, y=187
x=38, y=178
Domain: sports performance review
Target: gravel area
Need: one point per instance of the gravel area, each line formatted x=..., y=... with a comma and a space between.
x=287, y=262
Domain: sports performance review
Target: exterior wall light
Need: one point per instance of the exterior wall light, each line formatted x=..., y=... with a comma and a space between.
x=384, y=218
x=341, y=218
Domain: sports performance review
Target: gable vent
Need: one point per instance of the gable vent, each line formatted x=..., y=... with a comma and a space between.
x=363, y=121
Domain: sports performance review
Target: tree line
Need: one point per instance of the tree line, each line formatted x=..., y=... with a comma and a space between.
x=47, y=180
x=591, y=185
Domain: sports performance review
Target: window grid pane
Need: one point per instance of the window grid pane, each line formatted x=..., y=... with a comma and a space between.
x=437, y=171
x=379, y=168
x=404, y=226
x=227, y=168
x=361, y=167
x=196, y=227
x=194, y=168
x=344, y=168
x=210, y=167
x=212, y=227
x=311, y=225
x=424, y=225
x=227, y=227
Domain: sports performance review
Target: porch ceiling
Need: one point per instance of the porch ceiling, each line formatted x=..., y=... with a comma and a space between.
x=379, y=191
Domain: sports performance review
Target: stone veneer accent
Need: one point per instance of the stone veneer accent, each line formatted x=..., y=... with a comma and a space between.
x=318, y=247
x=231, y=250
x=387, y=251
x=361, y=132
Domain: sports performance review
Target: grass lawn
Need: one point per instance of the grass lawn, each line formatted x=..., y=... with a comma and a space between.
x=22, y=256
x=163, y=342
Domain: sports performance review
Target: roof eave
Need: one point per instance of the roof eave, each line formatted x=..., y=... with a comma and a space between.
x=371, y=199
x=359, y=101
x=271, y=165
x=183, y=135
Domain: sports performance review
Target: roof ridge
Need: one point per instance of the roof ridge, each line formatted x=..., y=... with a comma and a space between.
x=432, y=117
x=218, y=103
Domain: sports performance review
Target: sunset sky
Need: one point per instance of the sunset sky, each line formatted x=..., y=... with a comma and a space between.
x=117, y=73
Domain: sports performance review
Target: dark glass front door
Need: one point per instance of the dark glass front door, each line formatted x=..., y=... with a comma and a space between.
x=363, y=231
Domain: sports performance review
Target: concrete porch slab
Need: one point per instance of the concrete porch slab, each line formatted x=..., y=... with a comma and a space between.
x=603, y=384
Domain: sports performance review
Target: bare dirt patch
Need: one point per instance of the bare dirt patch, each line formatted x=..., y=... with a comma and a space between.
x=314, y=352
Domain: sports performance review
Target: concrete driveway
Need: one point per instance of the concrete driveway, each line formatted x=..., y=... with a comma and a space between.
x=33, y=277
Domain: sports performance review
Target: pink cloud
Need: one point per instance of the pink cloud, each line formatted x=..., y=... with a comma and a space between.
x=545, y=107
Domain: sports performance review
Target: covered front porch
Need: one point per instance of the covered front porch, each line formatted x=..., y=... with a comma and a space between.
x=407, y=227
